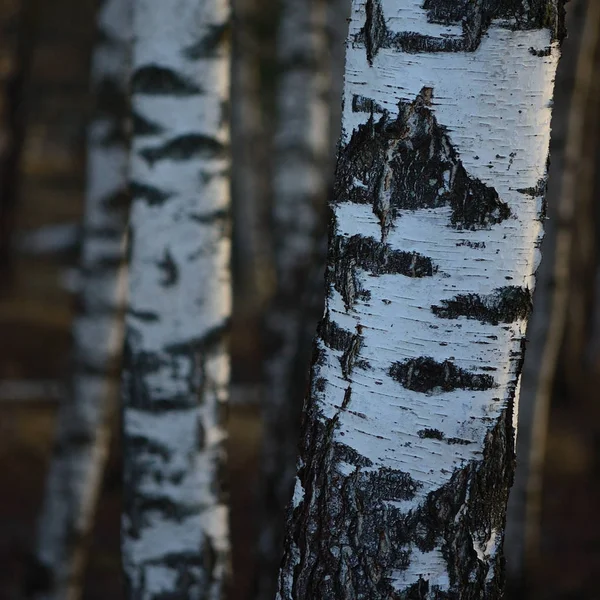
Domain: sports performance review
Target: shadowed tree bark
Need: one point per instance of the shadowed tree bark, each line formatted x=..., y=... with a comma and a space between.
x=300, y=181
x=407, y=450
x=86, y=416
x=569, y=208
x=19, y=30
x=175, y=531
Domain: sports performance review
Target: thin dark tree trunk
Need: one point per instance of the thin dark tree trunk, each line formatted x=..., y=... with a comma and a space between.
x=407, y=450
x=87, y=415
x=300, y=181
x=14, y=122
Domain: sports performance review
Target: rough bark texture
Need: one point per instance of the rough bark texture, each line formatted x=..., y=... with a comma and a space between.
x=570, y=190
x=407, y=452
x=87, y=414
x=301, y=178
x=175, y=532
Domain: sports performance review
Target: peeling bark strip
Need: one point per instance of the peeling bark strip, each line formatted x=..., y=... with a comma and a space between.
x=407, y=452
x=87, y=415
x=175, y=532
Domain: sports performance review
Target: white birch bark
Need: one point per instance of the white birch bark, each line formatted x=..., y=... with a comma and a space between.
x=546, y=330
x=175, y=533
x=408, y=439
x=300, y=182
x=87, y=414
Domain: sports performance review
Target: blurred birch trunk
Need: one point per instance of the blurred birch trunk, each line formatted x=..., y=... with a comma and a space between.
x=87, y=415
x=301, y=157
x=175, y=535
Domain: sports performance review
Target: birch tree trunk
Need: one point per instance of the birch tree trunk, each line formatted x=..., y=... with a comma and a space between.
x=86, y=416
x=300, y=181
x=549, y=324
x=175, y=533
x=407, y=451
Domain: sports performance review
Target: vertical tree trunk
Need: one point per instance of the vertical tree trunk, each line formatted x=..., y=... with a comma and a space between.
x=407, y=451
x=250, y=176
x=547, y=328
x=175, y=532
x=86, y=416
x=300, y=181
x=17, y=56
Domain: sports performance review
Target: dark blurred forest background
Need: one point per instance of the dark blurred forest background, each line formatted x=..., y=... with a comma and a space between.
x=45, y=48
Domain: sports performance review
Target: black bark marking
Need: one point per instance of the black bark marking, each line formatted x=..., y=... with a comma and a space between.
x=169, y=268
x=475, y=18
x=436, y=434
x=138, y=365
x=425, y=170
x=185, y=147
x=161, y=81
x=142, y=126
x=218, y=216
x=432, y=434
x=144, y=315
x=503, y=305
x=110, y=100
x=211, y=43
x=118, y=202
x=152, y=195
x=346, y=255
x=366, y=105
x=538, y=191
x=334, y=336
x=349, y=358
x=426, y=375
x=375, y=31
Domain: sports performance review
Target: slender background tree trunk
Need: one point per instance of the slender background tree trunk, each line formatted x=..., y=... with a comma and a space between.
x=300, y=182
x=175, y=529
x=572, y=129
x=407, y=452
x=86, y=416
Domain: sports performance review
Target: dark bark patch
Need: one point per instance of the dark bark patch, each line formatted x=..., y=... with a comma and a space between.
x=376, y=258
x=142, y=126
x=152, y=195
x=375, y=31
x=349, y=358
x=144, y=315
x=475, y=18
x=212, y=42
x=185, y=147
x=426, y=375
x=217, y=216
x=169, y=268
x=366, y=105
x=503, y=305
x=334, y=336
x=430, y=434
x=118, y=202
x=160, y=81
x=110, y=100
x=424, y=171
